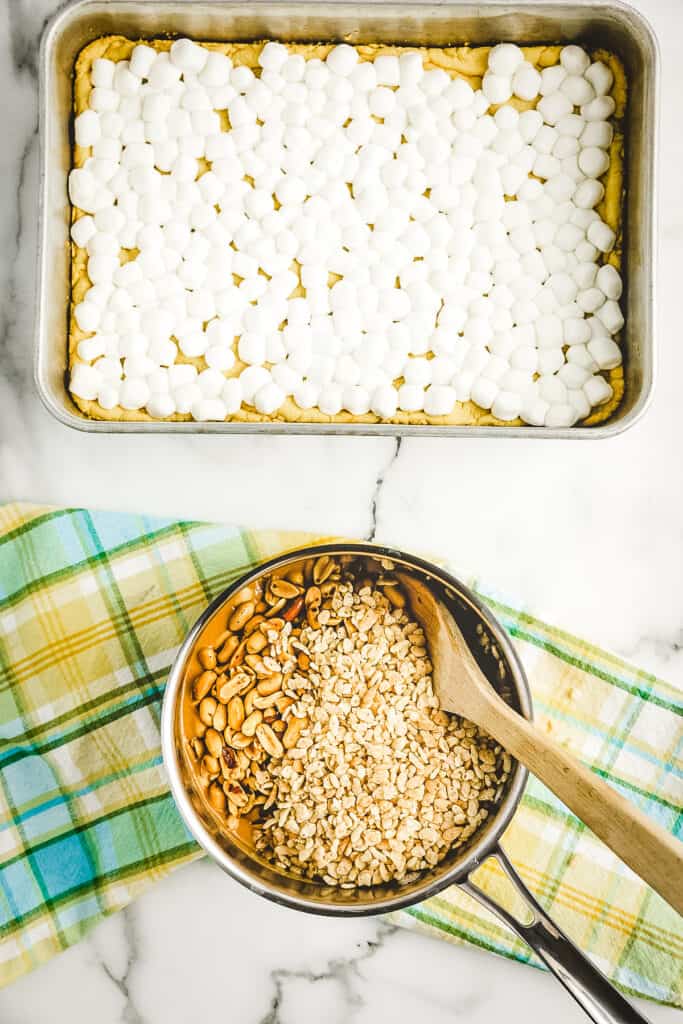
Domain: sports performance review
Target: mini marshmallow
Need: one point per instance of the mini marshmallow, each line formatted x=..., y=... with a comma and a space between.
x=600, y=77
x=188, y=56
x=601, y=236
x=505, y=59
x=134, y=393
x=597, y=133
x=496, y=88
x=103, y=100
x=410, y=398
x=605, y=352
x=554, y=107
x=356, y=400
x=599, y=109
x=330, y=400
x=439, y=400
x=610, y=315
x=568, y=236
x=85, y=381
x=590, y=300
x=593, y=161
x=588, y=194
x=125, y=82
x=529, y=124
x=163, y=74
x=209, y=410
x=384, y=401
x=609, y=281
x=141, y=60
x=87, y=128
x=597, y=390
x=82, y=230
x=534, y=411
x=551, y=79
x=574, y=60
x=102, y=74
x=387, y=69
x=507, y=406
x=484, y=391
x=161, y=405
x=549, y=361
x=560, y=414
x=579, y=403
x=576, y=331
x=549, y=332
x=573, y=376
x=526, y=81
x=578, y=90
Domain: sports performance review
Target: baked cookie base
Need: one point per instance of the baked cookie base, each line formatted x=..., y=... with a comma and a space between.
x=459, y=62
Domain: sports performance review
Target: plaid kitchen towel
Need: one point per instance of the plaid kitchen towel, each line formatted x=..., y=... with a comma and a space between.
x=93, y=606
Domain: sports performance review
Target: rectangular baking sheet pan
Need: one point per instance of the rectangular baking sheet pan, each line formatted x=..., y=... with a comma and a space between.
x=613, y=26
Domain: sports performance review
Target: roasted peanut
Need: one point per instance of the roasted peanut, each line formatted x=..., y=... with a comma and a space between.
x=229, y=647
x=312, y=618
x=207, y=708
x=269, y=684
x=236, y=713
x=210, y=765
x=244, y=596
x=253, y=624
x=256, y=643
x=251, y=722
x=228, y=759
x=394, y=595
x=220, y=718
x=275, y=624
x=236, y=794
x=236, y=684
x=217, y=797
x=293, y=609
x=268, y=740
x=295, y=727
x=202, y=684
x=277, y=607
x=303, y=661
x=214, y=742
x=283, y=588
x=295, y=575
x=249, y=702
x=241, y=616
x=239, y=741
x=207, y=658
x=197, y=747
x=268, y=702
x=237, y=656
x=323, y=568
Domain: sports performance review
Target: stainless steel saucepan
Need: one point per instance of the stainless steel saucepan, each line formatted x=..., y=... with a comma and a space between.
x=600, y=1000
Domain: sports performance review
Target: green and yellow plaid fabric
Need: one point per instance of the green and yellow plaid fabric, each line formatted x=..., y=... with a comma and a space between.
x=93, y=606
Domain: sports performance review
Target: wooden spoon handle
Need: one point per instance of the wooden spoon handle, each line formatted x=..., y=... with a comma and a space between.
x=654, y=854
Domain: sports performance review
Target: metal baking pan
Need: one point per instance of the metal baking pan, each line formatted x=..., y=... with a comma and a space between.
x=612, y=25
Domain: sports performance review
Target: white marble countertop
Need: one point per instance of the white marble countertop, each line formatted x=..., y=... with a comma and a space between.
x=587, y=534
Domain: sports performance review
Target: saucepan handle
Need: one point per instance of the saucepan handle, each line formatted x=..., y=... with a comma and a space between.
x=591, y=989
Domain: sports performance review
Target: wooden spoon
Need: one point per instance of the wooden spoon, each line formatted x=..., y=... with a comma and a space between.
x=462, y=688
